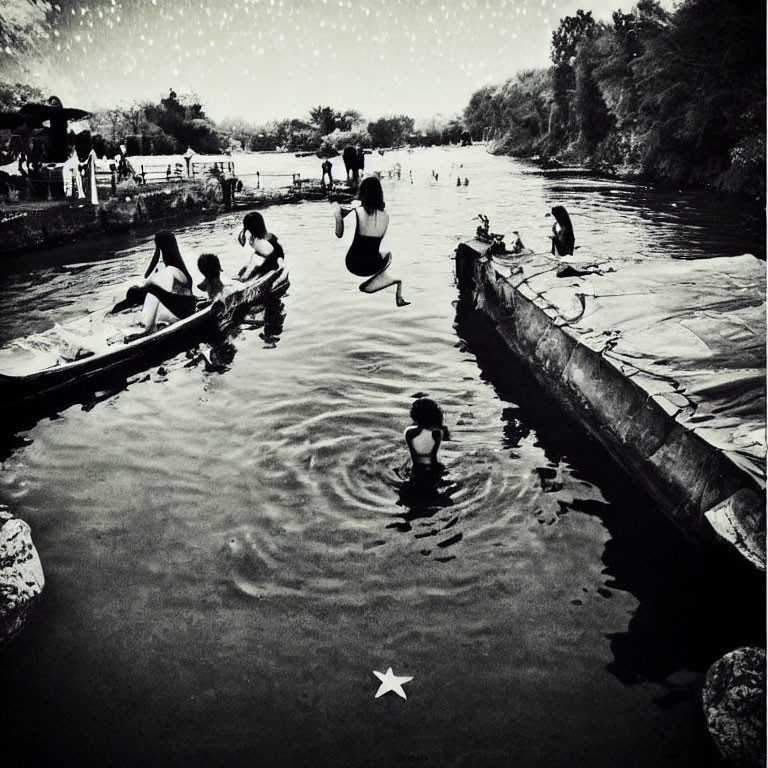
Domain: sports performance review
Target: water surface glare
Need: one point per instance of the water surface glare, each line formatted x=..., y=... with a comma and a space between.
x=230, y=552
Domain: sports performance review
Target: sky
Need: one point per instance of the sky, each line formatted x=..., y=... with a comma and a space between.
x=271, y=59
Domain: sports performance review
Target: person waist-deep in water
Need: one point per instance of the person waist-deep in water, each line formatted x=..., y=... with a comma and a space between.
x=267, y=253
x=364, y=258
x=426, y=435
x=167, y=285
x=563, y=239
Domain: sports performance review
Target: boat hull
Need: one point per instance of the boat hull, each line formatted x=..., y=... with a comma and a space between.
x=17, y=391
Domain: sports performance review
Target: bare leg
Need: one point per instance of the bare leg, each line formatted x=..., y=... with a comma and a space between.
x=149, y=312
x=383, y=280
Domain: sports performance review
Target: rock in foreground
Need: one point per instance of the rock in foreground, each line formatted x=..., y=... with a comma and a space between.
x=21, y=575
x=734, y=704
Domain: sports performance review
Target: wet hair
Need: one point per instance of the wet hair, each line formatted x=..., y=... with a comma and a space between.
x=165, y=244
x=371, y=195
x=253, y=222
x=209, y=266
x=427, y=414
x=567, y=239
x=562, y=217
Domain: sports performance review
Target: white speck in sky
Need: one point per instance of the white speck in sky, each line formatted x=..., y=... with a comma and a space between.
x=462, y=39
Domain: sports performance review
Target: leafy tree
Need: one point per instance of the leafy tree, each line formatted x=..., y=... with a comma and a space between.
x=238, y=130
x=572, y=31
x=13, y=96
x=701, y=81
x=390, y=131
x=482, y=112
x=325, y=118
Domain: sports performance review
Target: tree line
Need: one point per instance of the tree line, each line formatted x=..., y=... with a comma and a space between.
x=178, y=122
x=676, y=98
x=672, y=97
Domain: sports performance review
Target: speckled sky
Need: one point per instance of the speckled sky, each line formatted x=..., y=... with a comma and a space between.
x=269, y=59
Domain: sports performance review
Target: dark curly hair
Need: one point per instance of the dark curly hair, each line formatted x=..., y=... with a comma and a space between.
x=209, y=265
x=427, y=414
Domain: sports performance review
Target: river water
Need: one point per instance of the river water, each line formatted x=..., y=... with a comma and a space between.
x=231, y=549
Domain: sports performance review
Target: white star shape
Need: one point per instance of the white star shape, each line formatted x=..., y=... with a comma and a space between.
x=391, y=682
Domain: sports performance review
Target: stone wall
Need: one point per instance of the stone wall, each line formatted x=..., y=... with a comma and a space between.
x=36, y=226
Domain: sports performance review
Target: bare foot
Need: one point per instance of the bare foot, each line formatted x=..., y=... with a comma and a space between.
x=402, y=302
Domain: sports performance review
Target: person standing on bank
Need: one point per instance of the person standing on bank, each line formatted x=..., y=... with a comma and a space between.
x=363, y=257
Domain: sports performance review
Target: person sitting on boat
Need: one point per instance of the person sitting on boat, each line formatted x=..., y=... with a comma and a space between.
x=363, y=257
x=563, y=239
x=267, y=252
x=167, y=286
x=209, y=267
x=427, y=433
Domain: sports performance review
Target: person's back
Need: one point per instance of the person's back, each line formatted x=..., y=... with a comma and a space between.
x=425, y=437
x=372, y=225
x=423, y=444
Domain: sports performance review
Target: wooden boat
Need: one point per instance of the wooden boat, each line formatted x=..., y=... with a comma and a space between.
x=98, y=344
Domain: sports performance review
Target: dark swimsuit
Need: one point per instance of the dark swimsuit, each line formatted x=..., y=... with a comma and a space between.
x=363, y=257
x=270, y=262
x=180, y=304
x=563, y=242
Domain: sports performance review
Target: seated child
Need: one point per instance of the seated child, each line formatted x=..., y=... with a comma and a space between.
x=210, y=268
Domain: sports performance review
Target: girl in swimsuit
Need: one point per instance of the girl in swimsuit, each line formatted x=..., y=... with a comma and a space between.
x=563, y=239
x=424, y=438
x=363, y=257
x=267, y=252
x=167, y=284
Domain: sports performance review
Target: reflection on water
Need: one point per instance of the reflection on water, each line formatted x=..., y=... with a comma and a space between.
x=232, y=542
x=691, y=606
x=425, y=493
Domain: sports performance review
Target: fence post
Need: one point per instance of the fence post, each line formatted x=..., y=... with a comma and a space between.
x=143, y=175
x=114, y=181
x=258, y=180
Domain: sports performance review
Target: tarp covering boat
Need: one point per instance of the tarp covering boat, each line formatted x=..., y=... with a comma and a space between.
x=691, y=332
x=663, y=362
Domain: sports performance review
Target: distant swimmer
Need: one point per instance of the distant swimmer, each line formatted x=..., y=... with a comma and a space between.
x=466, y=181
x=209, y=267
x=427, y=433
x=458, y=181
x=363, y=257
x=563, y=239
x=267, y=252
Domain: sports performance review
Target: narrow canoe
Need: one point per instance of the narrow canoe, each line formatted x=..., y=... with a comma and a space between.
x=25, y=382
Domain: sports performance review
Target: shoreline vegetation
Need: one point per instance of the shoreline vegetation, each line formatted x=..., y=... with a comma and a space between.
x=674, y=99
x=668, y=98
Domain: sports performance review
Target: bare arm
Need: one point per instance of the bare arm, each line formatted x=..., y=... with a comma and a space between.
x=339, y=213
x=437, y=436
x=153, y=262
